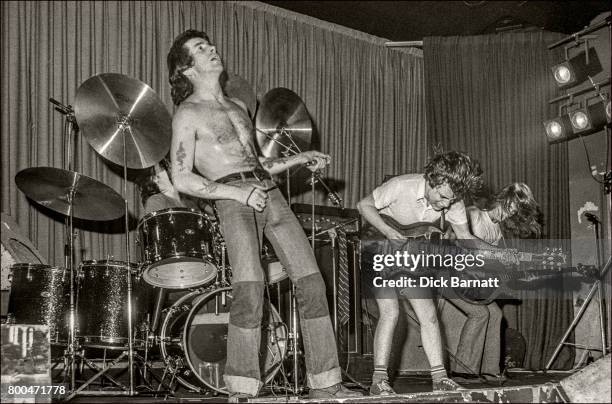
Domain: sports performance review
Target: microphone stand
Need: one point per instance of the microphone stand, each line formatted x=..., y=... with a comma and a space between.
x=596, y=288
x=315, y=178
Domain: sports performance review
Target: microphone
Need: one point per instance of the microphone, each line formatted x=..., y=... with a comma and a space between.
x=592, y=218
x=332, y=195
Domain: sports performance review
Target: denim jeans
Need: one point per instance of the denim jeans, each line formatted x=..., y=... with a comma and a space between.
x=479, y=345
x=243, y=227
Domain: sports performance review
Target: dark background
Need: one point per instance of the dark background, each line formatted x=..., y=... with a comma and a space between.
x=413, y=20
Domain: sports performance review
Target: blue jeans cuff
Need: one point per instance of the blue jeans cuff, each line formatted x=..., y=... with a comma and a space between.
x=325, y=379
x=241, y=384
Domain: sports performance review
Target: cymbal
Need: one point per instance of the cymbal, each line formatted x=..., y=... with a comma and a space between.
x=237, y=87
x=51, y=188
x=282, y=120
x=110, y=104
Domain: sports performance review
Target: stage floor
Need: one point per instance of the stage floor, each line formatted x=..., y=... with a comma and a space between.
x=519, y=386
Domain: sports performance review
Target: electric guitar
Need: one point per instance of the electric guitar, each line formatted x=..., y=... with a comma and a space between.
x=548, y=259
x=513, y=281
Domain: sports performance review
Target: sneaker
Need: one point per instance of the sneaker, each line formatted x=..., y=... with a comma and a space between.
x=381, y=388
x=239, y=398
x=446, y=384
x=335, y=391
x=500, y=378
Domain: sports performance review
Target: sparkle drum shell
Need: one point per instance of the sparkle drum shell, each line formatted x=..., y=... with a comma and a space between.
x=103, y=304
x=177, y=247
x=40, y=294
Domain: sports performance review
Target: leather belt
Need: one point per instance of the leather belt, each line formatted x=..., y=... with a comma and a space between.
x=259, y=174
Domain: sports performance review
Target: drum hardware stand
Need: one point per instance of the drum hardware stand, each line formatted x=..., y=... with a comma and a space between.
x=123, y=126
x=70, y=125
x=598, y=287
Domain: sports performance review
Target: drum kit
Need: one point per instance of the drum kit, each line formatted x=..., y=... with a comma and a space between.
x=102, y=304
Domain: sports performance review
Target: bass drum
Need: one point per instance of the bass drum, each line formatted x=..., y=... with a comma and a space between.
x=194, y=340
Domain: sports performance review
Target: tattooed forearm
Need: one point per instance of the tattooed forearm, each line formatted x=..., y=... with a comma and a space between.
x=180, y=156
x=269, y=163
x=208, y=187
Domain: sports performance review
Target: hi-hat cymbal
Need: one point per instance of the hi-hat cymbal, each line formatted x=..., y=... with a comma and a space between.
x=110, y=104
x=51, y=187
x=237, y=87
x=282, y=122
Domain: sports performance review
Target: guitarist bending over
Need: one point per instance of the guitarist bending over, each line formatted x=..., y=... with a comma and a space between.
x=515, y=209
x=409, y=199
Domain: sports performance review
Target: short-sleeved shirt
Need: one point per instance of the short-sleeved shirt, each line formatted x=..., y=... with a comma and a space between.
x=403, y=198
x=483, y=227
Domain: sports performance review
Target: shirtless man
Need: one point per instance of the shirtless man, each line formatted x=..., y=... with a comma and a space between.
x=214, y=135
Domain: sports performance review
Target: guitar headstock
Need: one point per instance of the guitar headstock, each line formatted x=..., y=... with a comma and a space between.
x=552, y=258
x=589, y=271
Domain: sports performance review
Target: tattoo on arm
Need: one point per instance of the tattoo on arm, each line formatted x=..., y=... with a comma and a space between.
x=269, y=163
x=208, y=186
x=180, y=156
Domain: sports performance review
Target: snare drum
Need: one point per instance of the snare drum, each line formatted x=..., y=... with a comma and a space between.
x=177, y=247
x=103, y=304
x=40, y=294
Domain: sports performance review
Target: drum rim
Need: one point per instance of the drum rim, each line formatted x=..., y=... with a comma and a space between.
x=147, y=280
x=113, y=263
x=30, y=265
x=166, y=211
x=145, y=270
x=162, y=335
x=204, y=295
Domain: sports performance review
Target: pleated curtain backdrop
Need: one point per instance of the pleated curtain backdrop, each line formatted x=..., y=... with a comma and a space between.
x=488, y=95
x=366, y=101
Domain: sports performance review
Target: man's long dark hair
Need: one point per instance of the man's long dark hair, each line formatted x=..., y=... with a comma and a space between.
x=179, y=60
x=458, y=170
x=527, y=221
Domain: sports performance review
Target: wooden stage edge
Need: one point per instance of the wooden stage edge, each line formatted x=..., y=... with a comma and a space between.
x=542, y=393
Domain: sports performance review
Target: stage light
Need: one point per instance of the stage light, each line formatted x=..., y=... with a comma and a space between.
x=580, y=120
x=563, y=73
x=590, y=119
x=558, y=129
x=577, y=69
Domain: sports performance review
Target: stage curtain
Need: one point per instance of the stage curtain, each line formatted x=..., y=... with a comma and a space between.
x=487, y=96
x=366, y=101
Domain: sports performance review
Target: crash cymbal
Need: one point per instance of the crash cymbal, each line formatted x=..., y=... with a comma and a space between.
x=237, y=87
x=282, y=120
x=107, y=103
x=51, y=188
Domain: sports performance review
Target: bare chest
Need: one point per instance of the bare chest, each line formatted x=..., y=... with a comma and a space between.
x=224, y=126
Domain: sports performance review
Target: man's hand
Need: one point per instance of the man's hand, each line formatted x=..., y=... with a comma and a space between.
x=255, y=196
x=315, y=160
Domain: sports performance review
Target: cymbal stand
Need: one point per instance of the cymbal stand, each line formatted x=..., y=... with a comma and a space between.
x=123, y=127
x=69, y=129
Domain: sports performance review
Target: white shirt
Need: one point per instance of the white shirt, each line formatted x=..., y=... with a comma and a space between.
x=483, y=227
x=403, y=198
